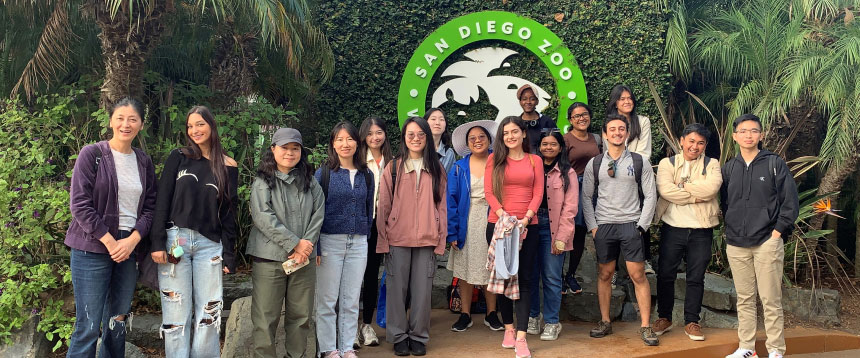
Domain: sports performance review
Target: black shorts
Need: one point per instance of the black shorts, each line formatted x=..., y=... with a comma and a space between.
x=613, y=238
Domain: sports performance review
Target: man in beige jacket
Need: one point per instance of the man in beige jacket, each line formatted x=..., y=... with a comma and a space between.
x=688, y=184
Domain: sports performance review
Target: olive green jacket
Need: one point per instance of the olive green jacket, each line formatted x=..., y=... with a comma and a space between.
x=283, y=215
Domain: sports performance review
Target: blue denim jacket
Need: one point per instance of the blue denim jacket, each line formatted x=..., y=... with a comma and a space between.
x=459, y=200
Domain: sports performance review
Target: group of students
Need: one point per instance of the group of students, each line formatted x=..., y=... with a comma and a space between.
x=521, y=196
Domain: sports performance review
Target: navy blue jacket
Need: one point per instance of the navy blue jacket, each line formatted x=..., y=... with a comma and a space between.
x=344, y=212
x=459, y=200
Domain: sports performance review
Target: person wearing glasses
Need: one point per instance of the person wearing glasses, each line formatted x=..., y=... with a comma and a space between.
x=534, y=120
x=759, y=200
x=581, y=146
x=412, y=225
x=616, y=217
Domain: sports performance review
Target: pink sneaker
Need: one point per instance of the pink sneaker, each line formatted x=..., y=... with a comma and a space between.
x=522, y=349
x=510, y=338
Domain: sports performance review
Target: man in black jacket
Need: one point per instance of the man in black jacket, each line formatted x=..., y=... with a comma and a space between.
x=759, y=202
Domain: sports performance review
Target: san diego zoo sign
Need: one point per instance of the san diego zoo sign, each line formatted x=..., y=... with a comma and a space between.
x=466, y=76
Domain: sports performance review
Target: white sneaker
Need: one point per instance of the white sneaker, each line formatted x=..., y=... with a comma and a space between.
x=743, y=353
x=368, y=335
x=774, y=355
x=550, y=331
x=534, y=325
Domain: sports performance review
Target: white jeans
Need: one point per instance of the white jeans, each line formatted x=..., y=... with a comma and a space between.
x=343, y=259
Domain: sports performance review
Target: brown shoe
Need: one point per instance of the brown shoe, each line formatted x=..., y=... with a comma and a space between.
x=694, y=331
x=661, y=325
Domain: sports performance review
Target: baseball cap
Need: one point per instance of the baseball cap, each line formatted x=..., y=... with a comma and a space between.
x=285, y=136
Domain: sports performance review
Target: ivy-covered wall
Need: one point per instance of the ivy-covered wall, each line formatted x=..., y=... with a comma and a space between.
x=618, y=41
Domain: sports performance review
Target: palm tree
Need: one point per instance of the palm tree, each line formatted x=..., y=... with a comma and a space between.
x=131, y=30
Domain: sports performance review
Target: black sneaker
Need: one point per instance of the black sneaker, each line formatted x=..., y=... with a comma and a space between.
x=418, y=348
x=402, y=348
x=571, y=285
x=603, y=329
x=492, y=320
x=463, y=323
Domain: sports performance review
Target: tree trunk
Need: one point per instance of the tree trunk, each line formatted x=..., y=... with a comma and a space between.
x=233, y=65
x=126, y=44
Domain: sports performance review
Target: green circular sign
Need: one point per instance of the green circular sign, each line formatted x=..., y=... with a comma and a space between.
x=490, y=25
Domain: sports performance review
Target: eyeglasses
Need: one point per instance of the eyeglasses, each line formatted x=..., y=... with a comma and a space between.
x=745, y=131
x=474, y=139
x=550, y=130
x=420, y=135
x=581, y=117
x=611, y=170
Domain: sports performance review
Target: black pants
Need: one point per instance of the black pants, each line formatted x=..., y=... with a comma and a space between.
x=371, y=277
x=528, y=256
x=578, y=248
x=694, y=246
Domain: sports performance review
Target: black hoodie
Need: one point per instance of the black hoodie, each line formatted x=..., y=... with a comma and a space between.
x=757, y=199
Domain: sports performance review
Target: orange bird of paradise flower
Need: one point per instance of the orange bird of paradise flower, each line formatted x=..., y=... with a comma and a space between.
x=825, y=206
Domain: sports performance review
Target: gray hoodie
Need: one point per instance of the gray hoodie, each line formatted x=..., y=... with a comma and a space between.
x=618, y=198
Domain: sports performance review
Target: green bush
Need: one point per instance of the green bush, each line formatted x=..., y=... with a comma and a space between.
x=614, y=42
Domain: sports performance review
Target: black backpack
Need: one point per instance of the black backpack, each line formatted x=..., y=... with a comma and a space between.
x=637, y=172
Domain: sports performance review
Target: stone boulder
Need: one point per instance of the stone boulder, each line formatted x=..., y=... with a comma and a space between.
x=820, y=305
x=708, y=318
x=131, y=350
x=236, y=286
x=584, y=306
x=441, y=281
x=237, y=335
x=719, y=292
x=27, y=342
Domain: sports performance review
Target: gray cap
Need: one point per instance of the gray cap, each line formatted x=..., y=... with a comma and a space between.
x=285, y=136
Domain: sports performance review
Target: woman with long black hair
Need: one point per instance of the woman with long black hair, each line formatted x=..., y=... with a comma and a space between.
x=514, y=186
x=441, y=137
x=193, y=237
x=412, y=229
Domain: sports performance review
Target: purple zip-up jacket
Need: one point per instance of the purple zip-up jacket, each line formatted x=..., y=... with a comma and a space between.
x=93, y=199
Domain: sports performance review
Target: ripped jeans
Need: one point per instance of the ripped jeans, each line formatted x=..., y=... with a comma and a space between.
x=103, y=291
x=191, y=296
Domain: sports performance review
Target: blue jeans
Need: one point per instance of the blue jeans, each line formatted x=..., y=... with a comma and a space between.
x=191, y=296
x=103, y=291
x=342, y=263
x=548, y=268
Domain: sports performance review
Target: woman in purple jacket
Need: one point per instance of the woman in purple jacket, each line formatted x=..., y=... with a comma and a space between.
x=112, y=199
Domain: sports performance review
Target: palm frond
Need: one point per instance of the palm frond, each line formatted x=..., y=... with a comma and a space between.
x=51, y=53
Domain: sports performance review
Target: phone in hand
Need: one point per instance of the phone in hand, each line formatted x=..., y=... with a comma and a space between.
x=291, y=266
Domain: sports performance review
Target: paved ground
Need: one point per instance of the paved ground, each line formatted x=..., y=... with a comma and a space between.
x=574, y=341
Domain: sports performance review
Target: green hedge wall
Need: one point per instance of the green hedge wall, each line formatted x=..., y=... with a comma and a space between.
x=614, y=42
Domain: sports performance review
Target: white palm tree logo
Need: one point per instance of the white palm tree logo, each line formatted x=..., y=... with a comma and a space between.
x=470, y=76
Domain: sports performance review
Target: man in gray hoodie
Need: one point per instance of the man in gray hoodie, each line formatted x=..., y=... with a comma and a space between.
x=617, y=216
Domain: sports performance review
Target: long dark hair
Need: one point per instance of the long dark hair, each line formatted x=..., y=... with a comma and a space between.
x=561, y=160
x=500, y=153
x=634, y=128
x=303, y=171
x=216, y=151
x=364, y=131
x=446, y=135
x=333, y=161
x=429, y=157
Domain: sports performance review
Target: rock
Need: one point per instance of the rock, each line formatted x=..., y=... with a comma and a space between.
x=237, y=335
x=719, y=291
x=144, y=331
x=820, y=305
x=26, y=342
x=630, y=289
x=630, y=312
x=441, y=281
x=131, y=350
x=584, y=306
x=236, y=286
